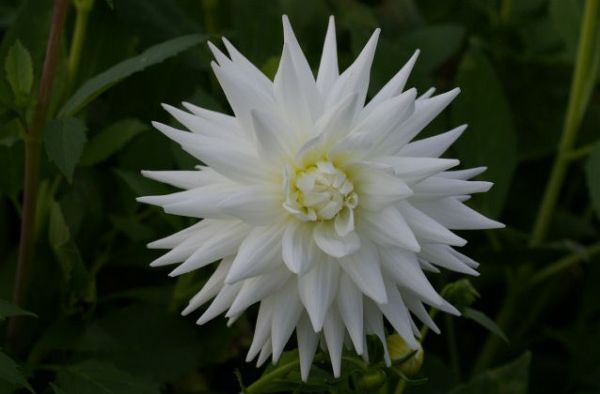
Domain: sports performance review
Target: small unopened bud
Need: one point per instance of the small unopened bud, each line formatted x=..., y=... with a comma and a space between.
x=371, y=381
x=404, y=359
x=460, y=293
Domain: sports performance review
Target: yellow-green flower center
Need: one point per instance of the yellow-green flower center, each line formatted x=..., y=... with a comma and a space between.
x=320, y=192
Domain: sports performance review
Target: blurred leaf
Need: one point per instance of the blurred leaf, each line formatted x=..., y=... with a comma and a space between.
x=79, y=285
x=437, y=44
x=9, y=372
x=94, y=377
x=148, y=341
x=110, y=140
x=64, y=140
x=484, y=321
x=33, y=36
x=491, y=137
x=131, y=228
x=19, y=70
x=103, y=81
x=592, y=172
x=56, y=389
x=139, y=185
x=7, y=310
x=512, y=378
x=566, y=16
x=11, y=162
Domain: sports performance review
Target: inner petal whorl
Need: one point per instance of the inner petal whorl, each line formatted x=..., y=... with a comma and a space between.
x=319, y=192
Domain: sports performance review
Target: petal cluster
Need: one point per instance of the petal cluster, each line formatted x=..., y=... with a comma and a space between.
x=317, y=204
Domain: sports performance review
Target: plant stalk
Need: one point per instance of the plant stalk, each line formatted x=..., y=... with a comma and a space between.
x=573, y=118
x=33, y=141
x=264, y=380
x=82, y=9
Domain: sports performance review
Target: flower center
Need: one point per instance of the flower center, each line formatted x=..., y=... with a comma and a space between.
x=320, y=192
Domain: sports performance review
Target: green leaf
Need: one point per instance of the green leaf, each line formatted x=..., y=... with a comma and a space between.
x=19, y=70
x=490, y=139
x=512, y=378
x=103, y=81
x=592, y=172
x=9, y=373
x=110, y=140
x=7, y=310
x=64, y=140
x=93, y=377
x=484, y=321
x=78, y=285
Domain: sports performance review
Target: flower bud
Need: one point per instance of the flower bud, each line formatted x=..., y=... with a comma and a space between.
x=460, y=293
x=371, y=381
x=403, y=359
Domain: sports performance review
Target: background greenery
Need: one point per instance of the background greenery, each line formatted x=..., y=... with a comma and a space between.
x=106, y=323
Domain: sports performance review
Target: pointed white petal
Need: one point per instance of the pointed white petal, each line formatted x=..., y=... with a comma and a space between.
x=210, y=288
x=414, y=169
x=258, y=288
x=455, y=215
x=269, y=132
x=221, y=302
x=344, y=222
x=265, y=352
x=388, y=227
x=436, y=186
x=331, y=243
x=395, y=86
x=441, y=256
x=317, y=290
x=262, y=332
x=378, y=188
x=334, y=337
x=307, y=345
x=374, y=325
x=426, y=229
x=186, y=179
x=364, y=268
x=175, y=239
x=299, y=250
x=433, y=146
x=463, y=174
x=253, y=204
x=397, y=314
x=328, y=69
x=260, y=250
x=350, y=305
x=414, y=304
x=220, y=244
x=286, y=313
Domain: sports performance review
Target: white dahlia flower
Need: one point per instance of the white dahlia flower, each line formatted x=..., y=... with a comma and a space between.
x=316, y=204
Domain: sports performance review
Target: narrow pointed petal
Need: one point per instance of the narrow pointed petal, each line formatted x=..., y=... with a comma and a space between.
x=221, y=302
x=253, y=204
x=397, y=314
x=334, y=337
x=433, y=146
x=210, y=288
x=374, y=325
x=455, y=215
x=426, y=229
x=317, y=290
x=414, y=304
x=286, y=313
x=350, y=305
x=365, y=270
x=463, y=174
x=258, y=288
x=257, y=252
x=388, y=227
x=299, y=250
x=307, y=345
x=328, y=68
x=440, y=255
x=186, y=179
x=262, y=332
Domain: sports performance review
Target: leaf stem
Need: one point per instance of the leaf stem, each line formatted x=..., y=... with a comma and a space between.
x=266, y=379
x=32, y=164
x=573, y=118
x=564, y=263
x=82, y=9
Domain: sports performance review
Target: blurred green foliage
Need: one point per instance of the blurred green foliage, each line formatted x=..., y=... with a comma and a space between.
x=106, y=323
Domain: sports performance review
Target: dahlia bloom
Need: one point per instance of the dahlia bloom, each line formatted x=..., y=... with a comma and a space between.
x=317, y=204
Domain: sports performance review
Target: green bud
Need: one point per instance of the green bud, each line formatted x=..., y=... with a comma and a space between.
x=371, y=381
x=404, y=359
x=460, y=293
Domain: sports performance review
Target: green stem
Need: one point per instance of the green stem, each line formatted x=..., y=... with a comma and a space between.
x=400, y=387
x=572, y=121
x=564, y=263
x=32, y=166
x=503, y=319
x=452, y=347
x=505, y=8
x=82, y=9
x=580, y=153
x=266, y=379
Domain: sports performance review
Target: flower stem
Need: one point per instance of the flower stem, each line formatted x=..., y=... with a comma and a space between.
x=564, y=263
x=266, y=379
x=573, y=118
x=33, y=143
x=452, y=347
x=82, y=9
